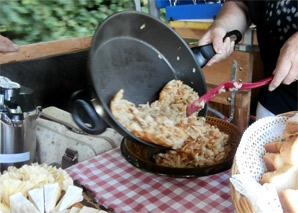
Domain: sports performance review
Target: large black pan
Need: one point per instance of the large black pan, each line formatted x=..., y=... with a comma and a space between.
x=140, y=54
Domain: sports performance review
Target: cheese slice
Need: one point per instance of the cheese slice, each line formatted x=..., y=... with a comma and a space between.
x=4, y=208
x=86, y=209
x=18, y=203
x=36, y=196
x=74, y=209
x=72, y=195
x=52, y=193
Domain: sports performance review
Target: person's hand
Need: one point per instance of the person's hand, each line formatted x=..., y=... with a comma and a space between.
x=7, y=45
x=286, y=70
x=223, y=49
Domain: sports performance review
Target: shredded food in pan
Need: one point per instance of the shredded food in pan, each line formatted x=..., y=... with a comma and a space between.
x=194, y=143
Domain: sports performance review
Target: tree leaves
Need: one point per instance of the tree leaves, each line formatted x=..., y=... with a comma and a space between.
x=31, y=21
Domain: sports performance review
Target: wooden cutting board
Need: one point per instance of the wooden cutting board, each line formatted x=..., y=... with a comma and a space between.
x=89, y=200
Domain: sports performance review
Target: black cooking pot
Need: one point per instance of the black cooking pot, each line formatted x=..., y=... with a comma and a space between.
x=140, y=54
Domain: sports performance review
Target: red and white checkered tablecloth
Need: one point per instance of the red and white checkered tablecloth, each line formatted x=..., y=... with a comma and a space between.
x=119, y=185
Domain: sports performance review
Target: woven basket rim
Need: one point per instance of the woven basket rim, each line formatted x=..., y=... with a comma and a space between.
x=241, y=203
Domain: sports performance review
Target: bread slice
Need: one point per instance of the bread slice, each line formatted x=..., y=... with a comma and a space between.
x=288, y=199
x=273, y=147
x=285, y=177
x=286, y=135
x=292, y=125
x=273, y=161
x=289, y=150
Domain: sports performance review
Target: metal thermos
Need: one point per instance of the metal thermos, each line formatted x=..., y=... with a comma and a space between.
x=18, y=115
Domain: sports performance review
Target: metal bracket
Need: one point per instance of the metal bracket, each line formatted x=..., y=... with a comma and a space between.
x=153, y=9
x=69, y=158
x=247, y=48
x=247, y=45
x=232, y=99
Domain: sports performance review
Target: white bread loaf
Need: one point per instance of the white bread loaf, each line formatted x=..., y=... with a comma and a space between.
x=273, y=147
x=289, y=200
x=273, y=161
x=284, y=177
x=289, y=150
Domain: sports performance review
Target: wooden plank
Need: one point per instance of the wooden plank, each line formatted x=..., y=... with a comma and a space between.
x=190, y=33
x=222, y=71
x=43, y=49
x=242, y=98
x=191, y=24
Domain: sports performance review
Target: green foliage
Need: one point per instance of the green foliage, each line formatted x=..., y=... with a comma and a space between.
x=31, y=21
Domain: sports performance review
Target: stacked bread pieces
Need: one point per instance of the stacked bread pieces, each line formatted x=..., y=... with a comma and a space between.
x=281, y=160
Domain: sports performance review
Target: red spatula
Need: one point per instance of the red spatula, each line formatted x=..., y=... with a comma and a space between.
x=223, y=87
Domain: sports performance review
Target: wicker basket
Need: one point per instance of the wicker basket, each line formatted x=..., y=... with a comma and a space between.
x=241, y=203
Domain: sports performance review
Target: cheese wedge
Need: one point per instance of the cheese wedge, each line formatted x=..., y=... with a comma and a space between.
x=52, y=193
x=73, y=195
x=4, y=208
x=36, y=196
x=18, y=204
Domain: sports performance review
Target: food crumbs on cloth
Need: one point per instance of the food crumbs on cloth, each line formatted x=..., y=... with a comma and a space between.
x=159, y=56
x=178, y=58
x=193, y=70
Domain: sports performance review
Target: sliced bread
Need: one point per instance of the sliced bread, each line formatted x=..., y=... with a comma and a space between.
x=292, y=125
x=285, y=177
x=288, y=199
x=289, y=150
x=273, y=147
x=273, y=161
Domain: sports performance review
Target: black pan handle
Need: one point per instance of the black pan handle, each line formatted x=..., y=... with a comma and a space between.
x=85, y=115
x=205, y=52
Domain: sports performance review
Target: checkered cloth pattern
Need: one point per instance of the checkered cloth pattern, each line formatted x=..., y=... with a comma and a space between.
x=118, y=185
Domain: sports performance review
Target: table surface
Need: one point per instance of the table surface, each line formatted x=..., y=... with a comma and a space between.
x=119, y=185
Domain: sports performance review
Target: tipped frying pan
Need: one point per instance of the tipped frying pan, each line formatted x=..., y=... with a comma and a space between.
x=138, y=53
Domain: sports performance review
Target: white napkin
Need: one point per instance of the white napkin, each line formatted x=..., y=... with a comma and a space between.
x=263, y=198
